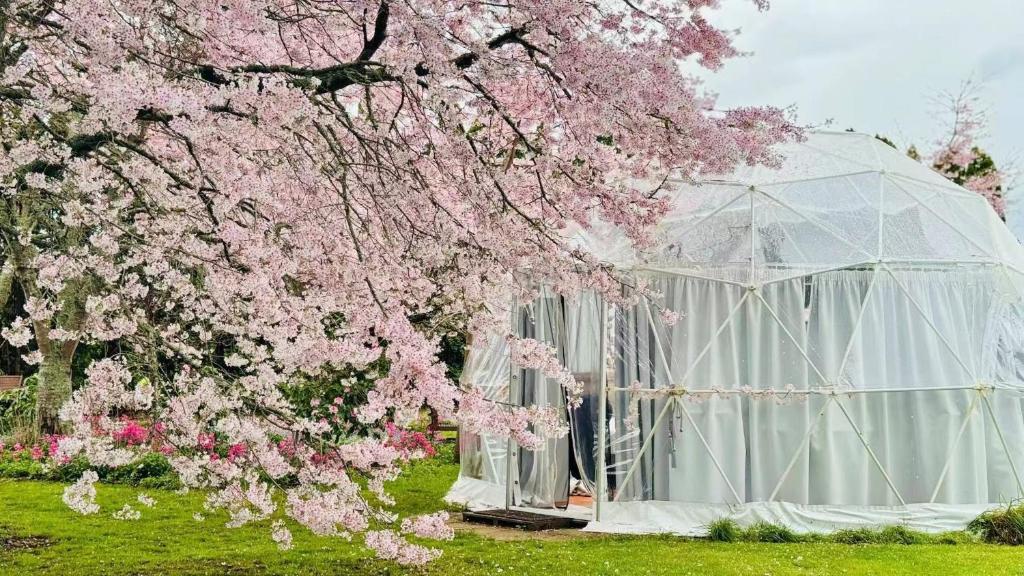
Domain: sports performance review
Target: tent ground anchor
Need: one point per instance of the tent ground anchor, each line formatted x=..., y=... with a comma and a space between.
x=521, y=519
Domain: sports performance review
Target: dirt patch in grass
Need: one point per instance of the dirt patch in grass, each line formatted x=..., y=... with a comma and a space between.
x=15, y=543
x=11, y=542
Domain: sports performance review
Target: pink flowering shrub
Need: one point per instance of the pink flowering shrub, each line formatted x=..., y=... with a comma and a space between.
x=411, y=442
x=44, y=451
x=206, y=441
x=52, y=458
x=235, y=451
x=131, y=433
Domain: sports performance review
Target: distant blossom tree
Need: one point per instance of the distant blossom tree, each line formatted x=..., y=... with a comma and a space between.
x=245, y=194
x=959, y=157
x=957, y=154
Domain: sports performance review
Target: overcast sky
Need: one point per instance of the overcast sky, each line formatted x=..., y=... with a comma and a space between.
x=877, y=65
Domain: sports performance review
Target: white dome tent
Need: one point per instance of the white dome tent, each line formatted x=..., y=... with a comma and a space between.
x=849, y=352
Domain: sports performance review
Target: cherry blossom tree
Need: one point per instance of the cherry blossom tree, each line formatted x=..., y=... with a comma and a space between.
x=51, y=255
x=958, y=156
x=246, y=195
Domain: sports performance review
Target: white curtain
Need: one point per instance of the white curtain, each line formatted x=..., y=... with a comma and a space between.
x=483, y=456
x=852, y=330
x=919, y=329
x=581, y=350
x=726, y=339
x=540, y=476
x=543, y=471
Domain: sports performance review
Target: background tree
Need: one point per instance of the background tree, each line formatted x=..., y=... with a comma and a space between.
x=957, y=154
x=57, y=295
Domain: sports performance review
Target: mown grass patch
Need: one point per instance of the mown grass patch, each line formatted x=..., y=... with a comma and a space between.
x=167, y=540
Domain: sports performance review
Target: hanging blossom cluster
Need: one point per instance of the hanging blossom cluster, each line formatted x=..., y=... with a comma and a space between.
x=81, y=496
x=249, y=194
x=281, y=535
x=528, y=426
x=390, y=545
x=669, y=317
x=18, y=333
x=536, y=355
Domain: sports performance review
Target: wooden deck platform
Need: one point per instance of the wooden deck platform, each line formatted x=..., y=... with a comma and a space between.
x=521, y=519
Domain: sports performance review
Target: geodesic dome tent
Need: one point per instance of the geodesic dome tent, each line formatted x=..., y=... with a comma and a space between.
x=849, y=351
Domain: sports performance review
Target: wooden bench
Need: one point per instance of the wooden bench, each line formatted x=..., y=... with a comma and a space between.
x=9, y=383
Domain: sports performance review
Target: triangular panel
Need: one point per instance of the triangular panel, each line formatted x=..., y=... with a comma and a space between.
x=803, y=228
x=711, y=241
x=916, y=229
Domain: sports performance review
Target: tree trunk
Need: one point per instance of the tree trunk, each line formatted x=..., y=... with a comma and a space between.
x=54, y=389
x=6, y=282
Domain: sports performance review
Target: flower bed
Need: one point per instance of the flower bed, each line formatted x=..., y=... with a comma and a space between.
x=43, y=461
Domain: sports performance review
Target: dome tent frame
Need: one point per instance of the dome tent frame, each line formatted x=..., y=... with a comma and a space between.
x=745, y=266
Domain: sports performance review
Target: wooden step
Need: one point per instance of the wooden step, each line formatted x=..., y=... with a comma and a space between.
x=521, y=519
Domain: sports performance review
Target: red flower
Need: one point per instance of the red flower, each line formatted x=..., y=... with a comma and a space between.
x=131, y=433
x=235, y=451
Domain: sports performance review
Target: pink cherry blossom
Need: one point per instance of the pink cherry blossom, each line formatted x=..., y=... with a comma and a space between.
x=957, y=154
x=669, y=317
x=281, y=535
x=253, y=196
x=18, y=333
x=433, y=526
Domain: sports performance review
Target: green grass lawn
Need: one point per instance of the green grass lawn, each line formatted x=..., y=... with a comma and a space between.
x=167, y=540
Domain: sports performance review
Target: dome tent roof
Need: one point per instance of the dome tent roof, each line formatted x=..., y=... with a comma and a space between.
x=839, y=199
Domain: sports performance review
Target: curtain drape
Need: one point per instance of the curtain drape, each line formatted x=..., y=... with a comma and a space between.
x=848, y=330
x=928, y=329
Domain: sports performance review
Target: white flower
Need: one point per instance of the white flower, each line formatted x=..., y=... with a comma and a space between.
x=81, y=496
x=63, y=335
x=147, y=500
x=38, y=309
x=143, y=394
x=281, y=535
x=67, y=448
x=127, y=513
x=19, y=333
